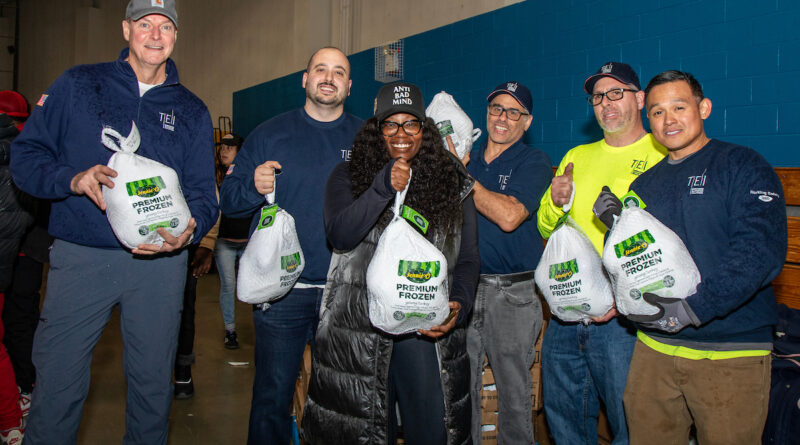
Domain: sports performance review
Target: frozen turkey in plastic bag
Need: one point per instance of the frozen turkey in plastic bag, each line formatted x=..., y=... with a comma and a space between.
x=571, y=277
x=643, y=255
x=273, y=259
x=406, y=279
x=453, y=121
x=146, y=195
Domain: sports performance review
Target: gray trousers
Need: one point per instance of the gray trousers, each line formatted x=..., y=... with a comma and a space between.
x=83, y=287
x=506, y=320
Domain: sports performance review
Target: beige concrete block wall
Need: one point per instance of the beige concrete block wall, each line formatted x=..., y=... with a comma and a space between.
x=225, y=45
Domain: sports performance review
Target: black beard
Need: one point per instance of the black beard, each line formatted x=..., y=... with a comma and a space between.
x=321, y=100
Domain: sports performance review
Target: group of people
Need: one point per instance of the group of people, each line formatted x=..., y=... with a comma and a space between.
x=700, y=361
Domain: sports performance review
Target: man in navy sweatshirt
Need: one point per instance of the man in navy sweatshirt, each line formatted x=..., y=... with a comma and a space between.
x=304, y=145
x=706, y=359
x=60, y=156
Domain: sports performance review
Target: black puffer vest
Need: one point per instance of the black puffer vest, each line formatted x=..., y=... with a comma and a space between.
x=15, y=206
x=347, y=395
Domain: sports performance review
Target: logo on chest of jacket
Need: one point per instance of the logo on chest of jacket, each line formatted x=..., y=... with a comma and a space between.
x=697, y=184
x=167, y=120
x=502, y=180
x=345, y=152
x=638, y=166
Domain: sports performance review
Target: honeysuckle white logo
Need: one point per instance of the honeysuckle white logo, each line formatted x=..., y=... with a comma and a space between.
x=607, y=68
x=511, y=86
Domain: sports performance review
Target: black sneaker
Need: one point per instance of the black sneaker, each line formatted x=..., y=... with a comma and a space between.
x=231, y=341
x=184, y=388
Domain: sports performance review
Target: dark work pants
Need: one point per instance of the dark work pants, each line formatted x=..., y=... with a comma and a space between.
x=185, y=355
x=20, y=317
x=416, y=386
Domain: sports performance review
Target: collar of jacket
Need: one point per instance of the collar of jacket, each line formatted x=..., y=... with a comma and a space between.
x=125, y=68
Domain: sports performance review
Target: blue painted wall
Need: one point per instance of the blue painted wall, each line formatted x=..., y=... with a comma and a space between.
x=745, y=53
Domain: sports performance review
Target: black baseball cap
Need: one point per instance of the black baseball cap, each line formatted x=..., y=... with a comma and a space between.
x=232, y=139
x=517, y=90
x=616, y=70
x=399, y=97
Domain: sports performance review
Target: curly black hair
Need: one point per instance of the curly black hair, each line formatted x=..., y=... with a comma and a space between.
x=434, y=187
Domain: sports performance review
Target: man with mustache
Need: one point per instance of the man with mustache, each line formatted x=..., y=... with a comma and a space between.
x=585, y=363
x=507, y=315
x=303, y=145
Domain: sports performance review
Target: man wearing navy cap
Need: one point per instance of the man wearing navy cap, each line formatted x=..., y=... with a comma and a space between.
x=507, y=316
x=60, y=157
x=583, y=363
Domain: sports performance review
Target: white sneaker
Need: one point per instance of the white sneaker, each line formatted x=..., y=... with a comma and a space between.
x=25, y=407
x=12, y=436
x=25, y=403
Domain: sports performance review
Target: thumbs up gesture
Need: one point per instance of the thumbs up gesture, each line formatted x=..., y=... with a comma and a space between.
x=561, y=187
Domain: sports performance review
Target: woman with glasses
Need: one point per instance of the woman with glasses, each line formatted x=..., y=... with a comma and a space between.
x=359, y=374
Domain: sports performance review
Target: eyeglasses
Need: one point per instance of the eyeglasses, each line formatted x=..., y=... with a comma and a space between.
x=612, y=94
x=411, y=127
x=512, y=113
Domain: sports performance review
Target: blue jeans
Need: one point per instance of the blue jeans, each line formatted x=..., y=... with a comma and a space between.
x=226, y=253
x=83, y=287
x=282, y=332
x=582, y=364
x=506, y=320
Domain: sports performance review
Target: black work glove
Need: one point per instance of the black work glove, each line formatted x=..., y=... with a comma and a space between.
x=606, y=206
x=673, y=314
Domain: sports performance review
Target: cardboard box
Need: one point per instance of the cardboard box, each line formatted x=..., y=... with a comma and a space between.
x=301, y=385
x=488, y=377
x=541, y=433
x=489, y=398
x=488, y=417
x=489, y=434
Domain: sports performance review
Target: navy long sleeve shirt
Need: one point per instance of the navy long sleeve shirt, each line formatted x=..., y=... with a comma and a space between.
x=726, y=203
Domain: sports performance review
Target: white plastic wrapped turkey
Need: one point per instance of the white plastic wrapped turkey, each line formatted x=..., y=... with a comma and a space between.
x=146, y=194
x=453, y=121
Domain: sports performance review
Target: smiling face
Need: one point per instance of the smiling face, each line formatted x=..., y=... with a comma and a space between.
x=401, y=145
x=502, y=130
x=151, y=40
x=618, y=117
x=327, y=78
x=676, y=118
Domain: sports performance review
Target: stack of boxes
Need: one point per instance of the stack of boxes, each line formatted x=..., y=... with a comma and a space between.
x=301, y=386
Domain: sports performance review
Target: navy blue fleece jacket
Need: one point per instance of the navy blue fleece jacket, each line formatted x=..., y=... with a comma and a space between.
x=62, y=138
x=726, y=203
x=307, y=150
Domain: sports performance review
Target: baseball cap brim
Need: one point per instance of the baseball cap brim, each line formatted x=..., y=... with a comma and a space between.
x=496, y=93
x=159, y=11
x=588, y=85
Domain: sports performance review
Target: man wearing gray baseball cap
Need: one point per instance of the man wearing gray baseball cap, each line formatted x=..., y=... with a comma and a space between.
x=61, y=158
x=139, y=8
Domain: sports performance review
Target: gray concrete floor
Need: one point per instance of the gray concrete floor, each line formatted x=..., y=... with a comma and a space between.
x=219, y=411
